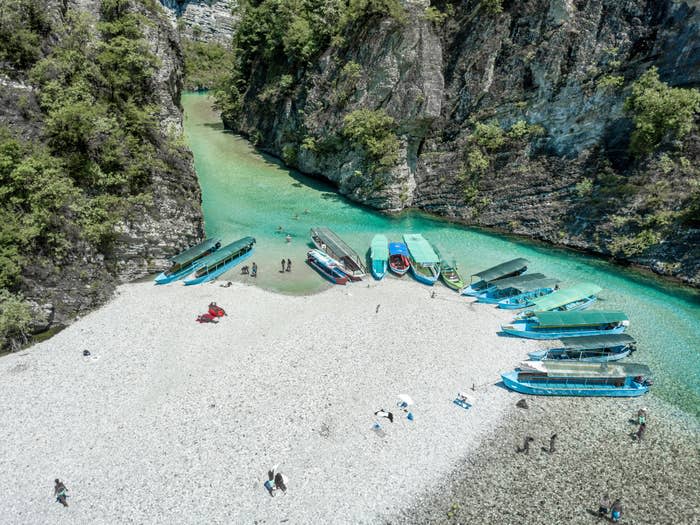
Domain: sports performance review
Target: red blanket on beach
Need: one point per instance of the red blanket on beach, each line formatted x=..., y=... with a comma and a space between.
x=216, y=311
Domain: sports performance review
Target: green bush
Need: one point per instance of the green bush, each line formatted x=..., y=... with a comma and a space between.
x=636, y=245
x=584, y=188
x=488, y=135
x=206, y=63
x=373, y=131
x=477, y=162
x=15, y=318
x=611, y=82
x=659, y=111
x=434, y=15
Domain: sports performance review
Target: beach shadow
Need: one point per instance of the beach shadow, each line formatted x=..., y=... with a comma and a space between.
x=595, y=514
x=502, y=385
x=507, y=335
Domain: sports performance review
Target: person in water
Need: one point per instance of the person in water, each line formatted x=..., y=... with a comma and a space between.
x=604, y=506
x=616, y=511
x=59, y=490
x=288, y=238
x=289, y=265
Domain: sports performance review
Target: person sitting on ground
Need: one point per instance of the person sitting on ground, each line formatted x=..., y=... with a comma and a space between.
x=244, y=270
x=59, y=491
x=604, y=506
x=526, y=445
x=270, y=487
x=279, y=482
x=384, y=413
x=616, y=511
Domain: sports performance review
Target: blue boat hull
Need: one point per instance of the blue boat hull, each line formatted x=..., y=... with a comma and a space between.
x=165, y=279
x=423, y=278
x=512, y=303
x=558, y=333
x=540, y=356
x=510, y=380
x=214, y=274
x=379, y=269
x=334, y=275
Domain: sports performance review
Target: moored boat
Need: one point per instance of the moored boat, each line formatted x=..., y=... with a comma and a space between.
x=186, y=262
x=536, y=284
x=425, y=263
x=379, y=255
x=221, y=261
x=329, y=243
x=450, y=276
x=398, y=258
x=592, y=348
x=482, y=280
x=578, y=378
x=326, y=266
x=576, y=297
x=555, y=325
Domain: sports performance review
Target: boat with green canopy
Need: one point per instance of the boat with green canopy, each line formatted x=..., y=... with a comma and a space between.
x=555, y=325
x=482, y=280
x=450, y=276
x=379, y=256
x=579, y=378
x=331, y=244
x=534, y=284
x=221, y=261
x=593, y=348
x=186, y=262
x=425, y=263
x=576, y=297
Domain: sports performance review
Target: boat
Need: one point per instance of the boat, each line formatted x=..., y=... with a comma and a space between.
x=326, y=266
x=576, y=297
x=186, y=262
x=221, y=261
x=579, y=378
x=501, y=271
x=555, y=325
x=449, y=276
x=592, y=348
x=379, y=256
x=398, y=258
x=502, y=289
x=527, y=294
x=329, y=243
x=425, y=263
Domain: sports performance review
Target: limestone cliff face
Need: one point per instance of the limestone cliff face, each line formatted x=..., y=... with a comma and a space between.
x=544, y=62
x=203, y=20
x=151, y=231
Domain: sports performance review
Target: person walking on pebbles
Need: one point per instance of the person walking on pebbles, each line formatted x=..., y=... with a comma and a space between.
x=526, y=445
x=60, y=492
x=616, y=511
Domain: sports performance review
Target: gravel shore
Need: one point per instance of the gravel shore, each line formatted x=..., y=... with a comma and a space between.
x=170, y=421
x=657, y=479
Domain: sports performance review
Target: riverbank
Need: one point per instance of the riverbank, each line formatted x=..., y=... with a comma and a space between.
x=170, y=418
x=656, y=479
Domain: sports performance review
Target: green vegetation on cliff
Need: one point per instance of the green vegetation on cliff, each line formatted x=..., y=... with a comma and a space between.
x=206, y=63
x=101, y=141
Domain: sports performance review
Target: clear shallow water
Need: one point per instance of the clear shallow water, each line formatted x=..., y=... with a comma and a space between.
x=246, y=193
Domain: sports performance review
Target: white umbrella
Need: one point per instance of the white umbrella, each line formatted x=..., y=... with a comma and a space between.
x=404, y=398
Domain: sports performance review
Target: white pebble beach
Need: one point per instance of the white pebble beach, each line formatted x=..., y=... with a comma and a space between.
x=172, y=421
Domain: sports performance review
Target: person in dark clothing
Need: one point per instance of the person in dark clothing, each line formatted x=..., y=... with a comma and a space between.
x=640, y=431
x=289, y=265
x=604, y=506
x=384, y=413
x=526, y=445
x=59, y=491
x=254, y=271
x=551, y=443
x=279, y=482
x=283, y=264
x=377, y=310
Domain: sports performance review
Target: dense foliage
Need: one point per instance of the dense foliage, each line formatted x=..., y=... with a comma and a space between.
x=94, y=88
x=659, y=112
x=373, y=132
x=206, y=63
x=23, y=25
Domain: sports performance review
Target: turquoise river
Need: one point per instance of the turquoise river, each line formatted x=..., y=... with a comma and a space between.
x=246, y=193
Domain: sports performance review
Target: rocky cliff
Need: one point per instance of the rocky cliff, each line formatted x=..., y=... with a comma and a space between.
x=106, y=130
x=203, y=20
x=509, y=115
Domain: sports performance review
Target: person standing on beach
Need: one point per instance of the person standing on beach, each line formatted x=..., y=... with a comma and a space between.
x=283, y=264
x=526, y=445
x=640, y=431
x=377, y=310
x=604, y=506
x=289, y=265
x=59, y=491
x=254, y=272
x=551, y=443
x=616, y=511
x=642, y=416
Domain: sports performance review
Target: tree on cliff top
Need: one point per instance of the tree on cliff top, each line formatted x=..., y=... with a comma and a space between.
x=659, y=112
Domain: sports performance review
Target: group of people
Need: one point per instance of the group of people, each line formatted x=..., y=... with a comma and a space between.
x=615, y=510
x=529, y=439
x=286, y=265
x=252, y=271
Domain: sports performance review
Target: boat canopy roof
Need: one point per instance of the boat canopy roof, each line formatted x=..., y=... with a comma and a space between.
x=576, y=318
x=526, y=282
x=195, y=251
x=227, y=250
x=596, y=342
x=586, y=369
x=502, y=269
x=565, y=296
x=420, y=249
x=398, y=248
x=379, y=248
x=336, y=245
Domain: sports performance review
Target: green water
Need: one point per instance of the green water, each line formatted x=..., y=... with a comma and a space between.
x=245, y=193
